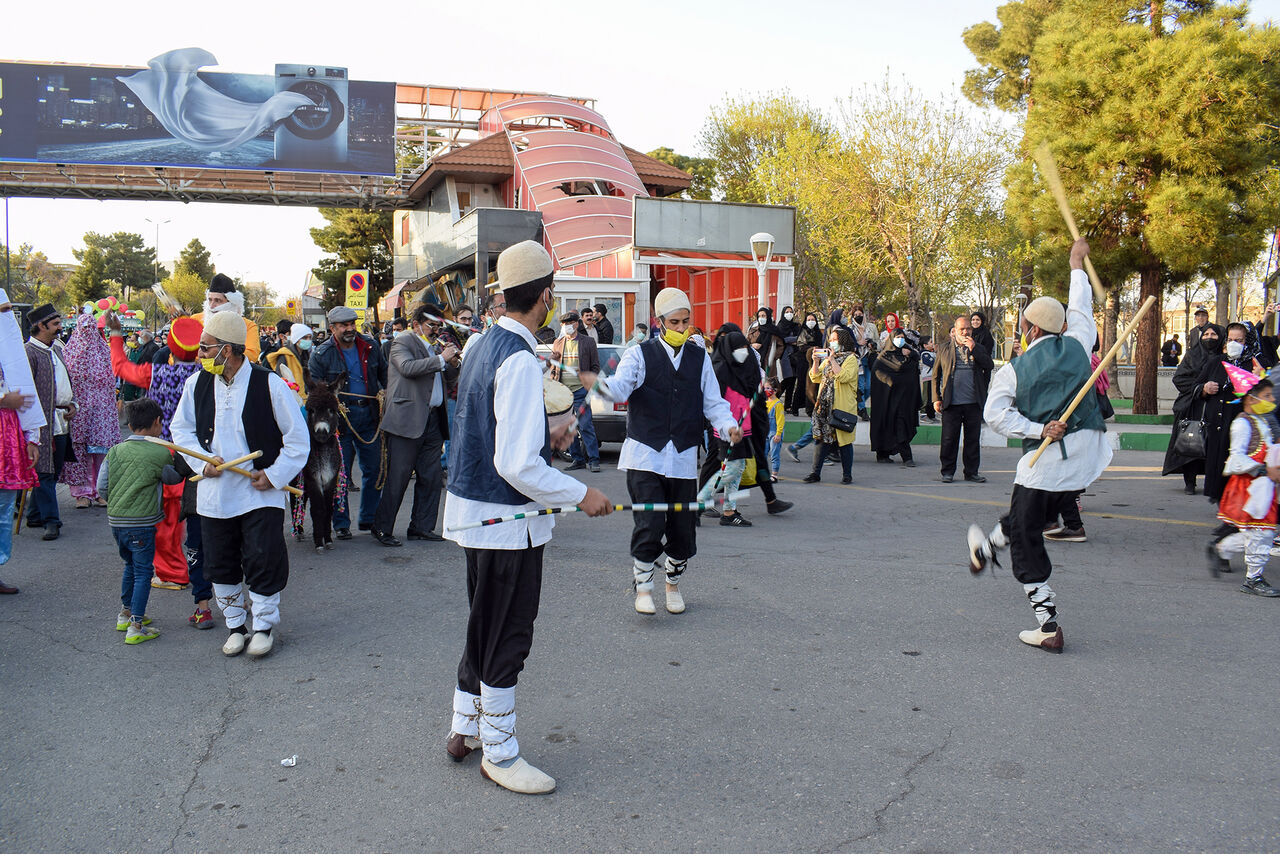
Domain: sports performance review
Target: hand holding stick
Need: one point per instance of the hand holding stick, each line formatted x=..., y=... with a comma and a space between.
x=201, y=455
x=228, y=464
x=1087, y=388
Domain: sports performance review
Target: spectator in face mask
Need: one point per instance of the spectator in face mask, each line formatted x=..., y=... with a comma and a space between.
x=895, y=397
x=290, y=359
x=577, y=352
x=1204, y=395
x=837, y=378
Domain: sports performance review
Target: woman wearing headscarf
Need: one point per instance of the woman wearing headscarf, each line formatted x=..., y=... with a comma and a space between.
x=895, y=397
x=290, y=360
x=838, y=389
x=802, y=355
x=96, y=426
x=767, y=341
x=738, y=373
x=1204, y=395
x=789, y=329
x=982, y=332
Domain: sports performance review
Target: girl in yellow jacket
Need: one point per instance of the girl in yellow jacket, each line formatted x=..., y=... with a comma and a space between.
x=836, y=404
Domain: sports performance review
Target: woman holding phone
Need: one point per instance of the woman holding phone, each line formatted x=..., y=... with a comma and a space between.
x=835, y=370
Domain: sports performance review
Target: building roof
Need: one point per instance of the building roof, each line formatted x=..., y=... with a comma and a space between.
x=489, y=160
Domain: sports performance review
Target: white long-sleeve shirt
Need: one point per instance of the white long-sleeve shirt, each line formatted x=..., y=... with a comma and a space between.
x=231, y=494
x=521, y=417
x=668, y=462
x=1088, y=452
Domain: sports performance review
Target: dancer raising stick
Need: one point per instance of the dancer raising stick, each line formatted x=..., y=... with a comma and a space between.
x=1025, y=399
x=670, y=388
x=499, y=464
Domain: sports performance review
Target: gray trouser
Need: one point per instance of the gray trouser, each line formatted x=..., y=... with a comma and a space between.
x=406, y=456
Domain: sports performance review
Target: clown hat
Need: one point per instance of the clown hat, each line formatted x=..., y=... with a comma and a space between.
x=1242, y=381
x=184, y=338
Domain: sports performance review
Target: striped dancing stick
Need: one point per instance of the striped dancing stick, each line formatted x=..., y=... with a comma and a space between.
x=692, y=507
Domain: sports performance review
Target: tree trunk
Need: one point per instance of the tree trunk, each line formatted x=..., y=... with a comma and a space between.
x=1222, y=297
x=1145, y=400
x=1110, y=311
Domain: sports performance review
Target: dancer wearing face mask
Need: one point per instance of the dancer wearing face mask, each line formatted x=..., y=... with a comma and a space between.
x=229, y=408
x=671, y=389
x=1204, y=397
x=1026, y=398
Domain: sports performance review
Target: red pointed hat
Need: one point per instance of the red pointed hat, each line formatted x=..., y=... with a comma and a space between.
x=184, y=338
x=1242, y=381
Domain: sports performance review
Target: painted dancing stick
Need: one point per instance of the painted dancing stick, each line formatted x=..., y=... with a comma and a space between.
x=1087, y=388
x=1049, y=169
x=201, y=455
x=228, y=464
x=679, y=507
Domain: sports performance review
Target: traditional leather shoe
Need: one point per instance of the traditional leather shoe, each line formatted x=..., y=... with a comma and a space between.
x=777, y=506
x=261, y=644
x=1050, y=641
x=644, y=603
x=948, y=478
x=235, y=643
x=386, y=539
x=431, y=536
x=6, y=590
x=460, y=746
x=675, y=602
x=344, y=533
x=521, y=777
x=975, y=478
x=51, y=531
x=977, y=549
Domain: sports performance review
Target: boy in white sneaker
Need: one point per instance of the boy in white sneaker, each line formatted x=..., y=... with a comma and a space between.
x=131, y=480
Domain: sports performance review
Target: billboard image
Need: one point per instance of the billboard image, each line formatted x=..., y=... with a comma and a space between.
x=304, y=118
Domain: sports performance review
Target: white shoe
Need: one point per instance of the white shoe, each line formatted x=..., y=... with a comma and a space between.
x=235, y=644
x=1048, y=641
x=261, y=644
x=644, y=602
x=977, y=549
x=521, y=777
x=675, y=602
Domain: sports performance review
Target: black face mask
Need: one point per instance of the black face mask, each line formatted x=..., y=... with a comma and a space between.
x=1212, y=345
x=858, y=318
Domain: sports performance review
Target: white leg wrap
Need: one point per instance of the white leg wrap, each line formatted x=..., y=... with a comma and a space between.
x=642, y=573
x=498, y=723
x=675, y=568
x=266, y=611
x=1041, y=598
x=466, y=713
x=233, y=604
x=997, y=539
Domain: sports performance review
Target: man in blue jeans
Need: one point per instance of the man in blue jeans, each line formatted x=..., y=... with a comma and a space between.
x=358, y=360
x=577, y=352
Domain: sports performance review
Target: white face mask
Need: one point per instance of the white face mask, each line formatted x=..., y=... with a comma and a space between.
x=787, y=315
x=898, y=342
x=1234, y=349
x=740, y=355
x=812, y=324
x=567, y=330
x=834, y=345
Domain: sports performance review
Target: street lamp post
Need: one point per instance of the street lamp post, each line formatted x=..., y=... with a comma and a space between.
x=155, y=265
x=761, y=252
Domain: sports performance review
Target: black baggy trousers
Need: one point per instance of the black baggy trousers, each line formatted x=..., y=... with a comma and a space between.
x=1024, y=526
x=503, y=587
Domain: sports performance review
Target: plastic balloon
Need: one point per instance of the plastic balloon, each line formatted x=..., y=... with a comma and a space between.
x=112, y=302
x=124, y=308
x=104, y=303
x=89, y=306
x=141, y=317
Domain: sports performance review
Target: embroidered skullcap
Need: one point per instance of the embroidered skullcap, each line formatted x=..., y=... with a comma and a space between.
x=669, y=300
x=1046, y=313
x=226, y=327
x=525, y=262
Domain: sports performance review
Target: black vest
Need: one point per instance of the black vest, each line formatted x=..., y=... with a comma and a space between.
x=261, y=432
x=667, y=406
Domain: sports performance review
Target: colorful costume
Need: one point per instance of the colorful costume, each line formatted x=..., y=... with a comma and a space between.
x=96, y=427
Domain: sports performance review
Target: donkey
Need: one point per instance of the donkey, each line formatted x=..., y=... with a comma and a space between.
x=320, y=475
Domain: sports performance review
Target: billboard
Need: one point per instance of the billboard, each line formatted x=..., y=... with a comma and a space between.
x=304, y=118
x=358, y=292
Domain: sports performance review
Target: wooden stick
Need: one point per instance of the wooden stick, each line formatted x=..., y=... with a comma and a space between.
x=228, y=464
x=1049, y=169
x=201, y=455
x=1097, y=372
x=22, y=506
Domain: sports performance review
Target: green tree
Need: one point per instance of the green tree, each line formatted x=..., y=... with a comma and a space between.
x=33, y=279
x=741, y=134
x=130, y=262
x=89, y=281
x=703, y=170
x=358, y=240
x=1159, y=116
x=195, y=259
x=187, y=288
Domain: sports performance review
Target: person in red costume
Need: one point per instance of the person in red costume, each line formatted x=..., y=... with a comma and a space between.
x=163, y=379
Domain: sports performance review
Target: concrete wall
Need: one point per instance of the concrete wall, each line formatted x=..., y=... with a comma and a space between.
x=1165, y=391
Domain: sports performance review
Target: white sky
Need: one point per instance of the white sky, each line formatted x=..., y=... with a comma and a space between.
x=656, y=68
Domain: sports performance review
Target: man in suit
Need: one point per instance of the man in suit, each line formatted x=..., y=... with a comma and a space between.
x=960, y=376
x=415, y=426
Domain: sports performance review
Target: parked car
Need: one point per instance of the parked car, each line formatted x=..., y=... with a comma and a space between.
x=609, y=418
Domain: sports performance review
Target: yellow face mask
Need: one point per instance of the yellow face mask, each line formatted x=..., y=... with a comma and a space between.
x=1262, y=407
x=676, y=339
x=211, y=365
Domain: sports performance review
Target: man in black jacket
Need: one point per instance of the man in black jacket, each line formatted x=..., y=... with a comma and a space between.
x=960, y=377
x=604, y=329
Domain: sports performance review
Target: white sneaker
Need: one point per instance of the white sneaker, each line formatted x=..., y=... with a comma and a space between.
x=261, y=644
x=644, y=602
x=675, y=602
x=235, y=643
x=521, y=777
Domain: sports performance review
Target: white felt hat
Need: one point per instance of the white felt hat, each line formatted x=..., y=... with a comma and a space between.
x=556, y=397
x=1046, y=313
x=669, y=300
x=227, y=327
x=526, y=261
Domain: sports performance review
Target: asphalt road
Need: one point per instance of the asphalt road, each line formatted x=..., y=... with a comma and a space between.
x=839, y=683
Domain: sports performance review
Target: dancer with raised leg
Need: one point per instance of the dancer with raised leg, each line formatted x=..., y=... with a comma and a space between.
x=1026, y=398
